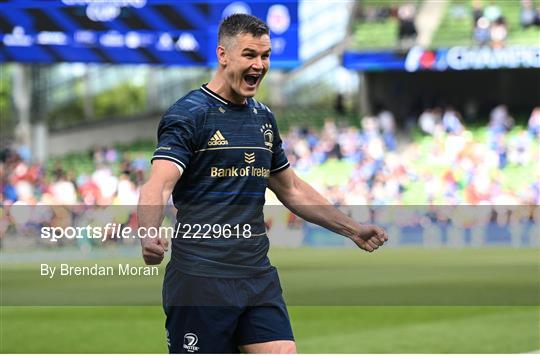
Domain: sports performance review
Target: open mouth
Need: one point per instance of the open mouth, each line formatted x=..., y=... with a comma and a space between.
x=252, y=79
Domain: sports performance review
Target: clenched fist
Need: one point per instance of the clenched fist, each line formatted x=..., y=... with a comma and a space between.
x=153, y=250
x=369, y=237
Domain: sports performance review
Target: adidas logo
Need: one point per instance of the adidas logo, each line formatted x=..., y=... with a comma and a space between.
x=218, y=139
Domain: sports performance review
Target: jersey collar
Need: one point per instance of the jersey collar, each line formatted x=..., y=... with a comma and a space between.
x=223, y=100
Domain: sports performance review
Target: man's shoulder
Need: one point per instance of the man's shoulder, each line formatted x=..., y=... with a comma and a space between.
x=260, y=106
x=193, y=105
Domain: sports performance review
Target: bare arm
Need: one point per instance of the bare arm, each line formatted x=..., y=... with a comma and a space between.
x=304, y=201
x=152, y=201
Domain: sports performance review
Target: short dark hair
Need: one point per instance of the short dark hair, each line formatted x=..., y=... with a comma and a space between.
x=241, y=23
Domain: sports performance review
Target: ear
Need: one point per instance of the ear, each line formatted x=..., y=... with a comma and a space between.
x=221, y=55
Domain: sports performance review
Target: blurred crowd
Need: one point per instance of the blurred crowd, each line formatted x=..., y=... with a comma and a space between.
x=404, y=14
x=116, y=179
x=490, y=23
x=490, y=26
x=454, y=167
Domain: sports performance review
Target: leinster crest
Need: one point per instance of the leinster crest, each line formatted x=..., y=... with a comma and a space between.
x=266, y=130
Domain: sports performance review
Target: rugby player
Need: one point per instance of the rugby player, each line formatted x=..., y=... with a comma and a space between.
x=218, y=150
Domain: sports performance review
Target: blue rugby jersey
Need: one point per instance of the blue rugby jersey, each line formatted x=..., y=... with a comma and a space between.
x=227, y=153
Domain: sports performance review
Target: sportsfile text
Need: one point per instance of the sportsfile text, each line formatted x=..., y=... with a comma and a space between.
x=118, y=231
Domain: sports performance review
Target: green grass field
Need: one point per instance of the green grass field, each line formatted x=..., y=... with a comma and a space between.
x=406, y=300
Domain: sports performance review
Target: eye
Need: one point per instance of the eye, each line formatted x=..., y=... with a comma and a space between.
x=250, y=56
x=265, y=56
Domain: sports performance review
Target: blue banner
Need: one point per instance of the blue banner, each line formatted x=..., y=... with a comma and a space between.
x=454, y=58
x=163, y=32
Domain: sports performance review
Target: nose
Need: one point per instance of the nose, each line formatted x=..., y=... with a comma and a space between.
x=257, y=63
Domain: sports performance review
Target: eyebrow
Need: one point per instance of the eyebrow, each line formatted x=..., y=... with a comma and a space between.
x=250, y=50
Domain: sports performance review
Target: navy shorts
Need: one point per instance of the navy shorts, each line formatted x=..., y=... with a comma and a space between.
x=217, y=315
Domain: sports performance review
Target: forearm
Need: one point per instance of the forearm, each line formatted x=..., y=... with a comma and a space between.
x=153, y=198
x=152, y=202
x=304, y=201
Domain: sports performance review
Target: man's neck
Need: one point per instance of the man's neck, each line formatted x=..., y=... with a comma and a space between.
x=220, y=87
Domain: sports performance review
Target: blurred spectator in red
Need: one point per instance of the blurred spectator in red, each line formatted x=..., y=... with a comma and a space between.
x=89, y=191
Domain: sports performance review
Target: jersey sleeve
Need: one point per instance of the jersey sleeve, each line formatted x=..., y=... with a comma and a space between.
x=279, y=159
x=176, y=138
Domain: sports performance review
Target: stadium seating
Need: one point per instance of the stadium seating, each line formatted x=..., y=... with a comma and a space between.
x=372, y=32
x=456, y=27
x=376, y=25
